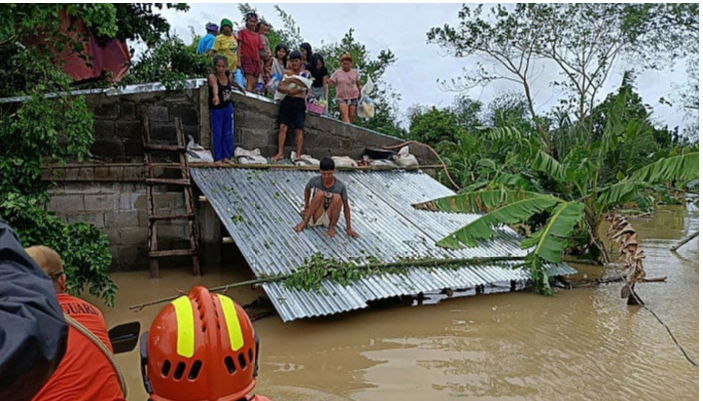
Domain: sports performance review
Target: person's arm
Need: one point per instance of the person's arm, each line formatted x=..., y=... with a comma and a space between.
x=283, y=85
x=212, y=81
x=209, y=46
x=347, y=219
x=215, y=47
x=239, y=52
x=33, y=330
x=325, y=79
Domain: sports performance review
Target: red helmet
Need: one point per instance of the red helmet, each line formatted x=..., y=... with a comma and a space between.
x=201, y=347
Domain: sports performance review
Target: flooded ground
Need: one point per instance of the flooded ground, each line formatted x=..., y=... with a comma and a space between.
x=582, y=344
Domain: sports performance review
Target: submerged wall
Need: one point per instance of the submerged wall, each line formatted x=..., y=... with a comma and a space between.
x=109, y=191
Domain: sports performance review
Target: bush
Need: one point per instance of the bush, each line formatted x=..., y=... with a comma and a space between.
x=84, y=249
x=170, y=62
x=33, y=132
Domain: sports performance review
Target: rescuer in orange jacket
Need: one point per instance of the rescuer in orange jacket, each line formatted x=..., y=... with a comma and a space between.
x=201, y=347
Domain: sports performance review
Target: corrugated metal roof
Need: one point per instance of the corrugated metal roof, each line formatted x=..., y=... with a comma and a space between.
x=259, y=208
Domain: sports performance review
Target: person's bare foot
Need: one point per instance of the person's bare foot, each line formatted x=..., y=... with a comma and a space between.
x=229, y=161
x=300, y=227
x=218, y=163
x=331, y=232
x=277, y=157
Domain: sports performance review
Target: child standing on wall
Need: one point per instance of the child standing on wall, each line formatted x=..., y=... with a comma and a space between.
x=262, y=28
x=278, y=69
x=221, y=84
x=249, y=46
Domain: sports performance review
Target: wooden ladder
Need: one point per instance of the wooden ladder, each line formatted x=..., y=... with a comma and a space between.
x=184, y=182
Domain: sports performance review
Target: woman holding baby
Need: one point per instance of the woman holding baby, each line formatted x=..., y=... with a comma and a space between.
x=291, y=114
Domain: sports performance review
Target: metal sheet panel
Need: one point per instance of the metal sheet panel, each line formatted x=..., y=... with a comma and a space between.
x=260, y=207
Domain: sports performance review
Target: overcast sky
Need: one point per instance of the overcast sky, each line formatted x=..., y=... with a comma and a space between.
x=403, y=28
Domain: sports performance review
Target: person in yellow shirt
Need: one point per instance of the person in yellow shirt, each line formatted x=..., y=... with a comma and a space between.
x=226, y=44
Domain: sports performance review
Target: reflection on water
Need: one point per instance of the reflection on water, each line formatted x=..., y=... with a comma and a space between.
x=582, y=344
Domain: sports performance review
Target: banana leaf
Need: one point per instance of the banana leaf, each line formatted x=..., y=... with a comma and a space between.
x=483, y=228
x=550, y=240
x=682, y=168
x=476, y=202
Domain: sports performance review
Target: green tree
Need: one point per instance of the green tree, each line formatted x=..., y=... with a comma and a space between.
x=433, y=126
x=55, y=128
x=582, y=41
x=567, y=204
x=171, y=62
x=509, y=110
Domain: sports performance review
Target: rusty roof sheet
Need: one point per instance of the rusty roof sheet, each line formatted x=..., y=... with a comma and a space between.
x=260, y=207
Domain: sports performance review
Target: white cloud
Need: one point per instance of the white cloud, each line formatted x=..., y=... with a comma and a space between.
x=403, y=28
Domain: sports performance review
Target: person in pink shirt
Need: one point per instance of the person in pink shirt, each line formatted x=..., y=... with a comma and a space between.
x=346, y=79
x=249, y=46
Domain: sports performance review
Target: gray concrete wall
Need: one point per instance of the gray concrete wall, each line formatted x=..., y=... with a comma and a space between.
x=113, y=198
x=118, y=121
x=255, y=127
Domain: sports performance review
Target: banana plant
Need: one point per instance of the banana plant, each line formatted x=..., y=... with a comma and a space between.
x=575, y=201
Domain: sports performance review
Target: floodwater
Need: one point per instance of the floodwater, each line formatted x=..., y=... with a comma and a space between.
x=581, y=344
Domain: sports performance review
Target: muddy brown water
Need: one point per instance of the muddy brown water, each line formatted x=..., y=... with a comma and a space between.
x=582, y=344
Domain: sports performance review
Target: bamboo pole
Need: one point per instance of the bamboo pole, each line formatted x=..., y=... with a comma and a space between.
x=331, y=266
x=683, y=242
x=222, y=288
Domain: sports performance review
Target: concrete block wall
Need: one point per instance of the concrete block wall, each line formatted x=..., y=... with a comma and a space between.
x=118, y=121
x=255, y=127
x=120, y=211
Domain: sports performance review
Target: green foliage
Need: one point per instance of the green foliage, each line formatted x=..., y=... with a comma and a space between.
x=549, y=241
x=582, y=41
x=84, y=249
x=573, y=193
x=683, y=168
x=58, y=127
x=505, y=207
x=170, y=62
x=310, y=275
x=433, y=126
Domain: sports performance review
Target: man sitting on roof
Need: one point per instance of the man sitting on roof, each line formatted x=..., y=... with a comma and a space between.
x=329, y=196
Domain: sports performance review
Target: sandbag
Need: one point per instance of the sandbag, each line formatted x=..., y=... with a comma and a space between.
x=245, y=156
x=344, y=161
x=197, y=153
x=405, y=159
x=304, y=160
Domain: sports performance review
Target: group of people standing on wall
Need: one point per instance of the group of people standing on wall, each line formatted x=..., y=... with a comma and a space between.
x=244, y=61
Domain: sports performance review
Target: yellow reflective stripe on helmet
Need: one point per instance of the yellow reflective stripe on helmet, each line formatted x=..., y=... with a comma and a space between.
x=234, y=330
x=185, y=345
